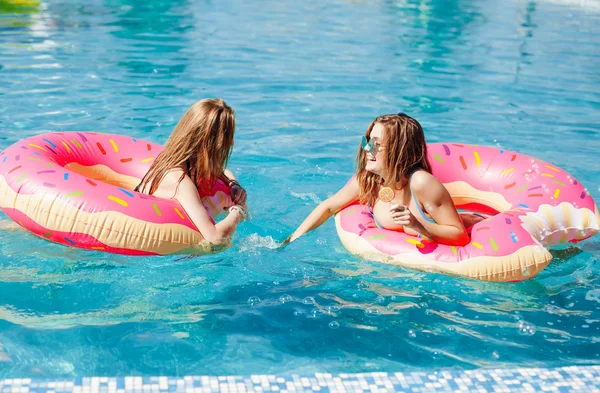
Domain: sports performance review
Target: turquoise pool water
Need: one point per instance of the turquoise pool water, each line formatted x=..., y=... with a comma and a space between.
x=305, y=79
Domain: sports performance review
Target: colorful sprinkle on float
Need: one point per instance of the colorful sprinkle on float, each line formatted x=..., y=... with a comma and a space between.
x=533, y=204
x=76, y=189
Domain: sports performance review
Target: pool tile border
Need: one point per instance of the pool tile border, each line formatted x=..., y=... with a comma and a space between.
x=556, y=380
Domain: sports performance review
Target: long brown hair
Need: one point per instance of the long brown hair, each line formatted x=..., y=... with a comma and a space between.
x=200, y=144
x=405, y=152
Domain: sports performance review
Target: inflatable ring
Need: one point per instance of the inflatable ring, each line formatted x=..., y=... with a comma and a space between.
x=75, y=188
x=533, y=205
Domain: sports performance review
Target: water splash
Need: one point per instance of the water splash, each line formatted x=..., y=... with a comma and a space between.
x=306, y=196
x=255, y=242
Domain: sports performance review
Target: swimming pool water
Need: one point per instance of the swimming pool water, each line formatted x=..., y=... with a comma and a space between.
x=305, y=79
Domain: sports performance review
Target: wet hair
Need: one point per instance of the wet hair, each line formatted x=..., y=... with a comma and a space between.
x=201, y=143
x=404, y=152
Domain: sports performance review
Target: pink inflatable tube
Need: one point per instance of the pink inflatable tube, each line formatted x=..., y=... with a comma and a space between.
x=75, y=188
x=533, y=204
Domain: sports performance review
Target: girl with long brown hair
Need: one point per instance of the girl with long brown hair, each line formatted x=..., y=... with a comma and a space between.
x=193, y=159
x=392, y=161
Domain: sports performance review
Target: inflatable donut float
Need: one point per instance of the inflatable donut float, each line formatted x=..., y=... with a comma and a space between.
x=532, y=205
x=76, y=189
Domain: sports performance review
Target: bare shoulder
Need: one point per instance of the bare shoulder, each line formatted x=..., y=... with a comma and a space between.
x=428, y=188
x=186, y=184
x=424, y=181
x=185, y=191
x=172, y=177
x=169, y=185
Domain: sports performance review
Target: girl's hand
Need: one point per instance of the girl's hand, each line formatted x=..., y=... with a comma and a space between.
x=285, y=242
x=238, y=194
x=289, y=239
x=402, y=216
x=239, y=210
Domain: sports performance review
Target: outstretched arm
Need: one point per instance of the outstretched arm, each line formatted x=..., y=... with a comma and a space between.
x=326, y=209
x=187, y=196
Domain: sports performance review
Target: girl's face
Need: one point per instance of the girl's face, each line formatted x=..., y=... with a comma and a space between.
x=374, y=150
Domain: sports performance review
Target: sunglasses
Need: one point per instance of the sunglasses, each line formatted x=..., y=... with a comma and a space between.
x=370, y=145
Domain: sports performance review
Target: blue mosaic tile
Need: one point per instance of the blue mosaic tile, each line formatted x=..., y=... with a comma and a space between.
x=561, y=380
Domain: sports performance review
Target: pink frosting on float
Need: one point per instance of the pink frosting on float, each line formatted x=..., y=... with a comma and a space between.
x=42, y=158
x=524, y=181
x=37, y=165
x=500, y=235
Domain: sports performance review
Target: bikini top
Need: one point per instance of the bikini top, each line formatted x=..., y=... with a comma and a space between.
x=412, y=194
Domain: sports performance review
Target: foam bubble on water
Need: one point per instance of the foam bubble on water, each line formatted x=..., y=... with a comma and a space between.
x=255, y=241
x=306, y=196
x=334, y=325
x=593, y=295
x=332, y=309
x=285, y=298
x=526, y=328
x=253, y=300
x=372, y=312
x=361, y=284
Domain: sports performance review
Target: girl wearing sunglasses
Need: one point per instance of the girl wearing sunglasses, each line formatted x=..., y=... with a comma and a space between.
x=394, y=181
